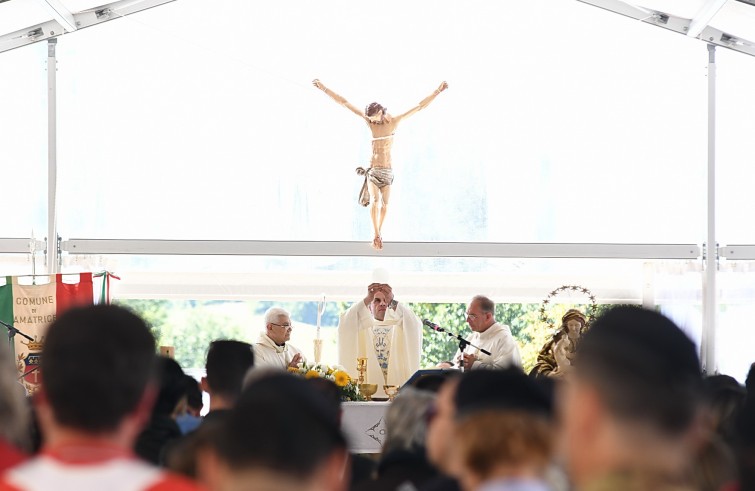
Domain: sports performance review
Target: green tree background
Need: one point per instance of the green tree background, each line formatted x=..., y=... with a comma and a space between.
x=190, y=325
x=521, y=318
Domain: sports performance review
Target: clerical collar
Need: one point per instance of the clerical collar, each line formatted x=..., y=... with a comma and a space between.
x=268, y=341
x=490, y=331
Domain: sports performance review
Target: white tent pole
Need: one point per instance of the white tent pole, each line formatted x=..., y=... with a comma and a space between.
x=52, y=158
x=710, y=297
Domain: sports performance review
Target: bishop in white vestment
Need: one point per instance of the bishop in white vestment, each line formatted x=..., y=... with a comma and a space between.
x=385, y=332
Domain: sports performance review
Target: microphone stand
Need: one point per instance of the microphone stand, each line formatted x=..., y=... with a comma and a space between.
x=463, y=343
x=12, y=331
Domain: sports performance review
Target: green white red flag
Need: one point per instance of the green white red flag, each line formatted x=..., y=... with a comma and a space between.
x=31, y=309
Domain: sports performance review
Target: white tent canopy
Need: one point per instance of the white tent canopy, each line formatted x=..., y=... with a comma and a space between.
x=25, y=22
x=185, y=149
x=727, y=23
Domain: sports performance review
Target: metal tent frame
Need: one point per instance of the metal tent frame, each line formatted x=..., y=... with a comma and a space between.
x=64, y=21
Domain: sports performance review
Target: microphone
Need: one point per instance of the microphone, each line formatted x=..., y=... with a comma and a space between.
x=433, y=326
x=463, y=342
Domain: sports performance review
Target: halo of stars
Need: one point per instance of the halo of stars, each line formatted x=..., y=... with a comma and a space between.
x=592, y=309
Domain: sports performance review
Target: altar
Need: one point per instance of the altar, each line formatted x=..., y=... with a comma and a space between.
x=363, y=423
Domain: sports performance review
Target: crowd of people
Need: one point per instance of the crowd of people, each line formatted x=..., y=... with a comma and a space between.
x=633, y=412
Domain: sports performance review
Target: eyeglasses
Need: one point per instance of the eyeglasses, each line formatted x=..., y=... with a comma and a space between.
x=471, y=316
x=284, y=326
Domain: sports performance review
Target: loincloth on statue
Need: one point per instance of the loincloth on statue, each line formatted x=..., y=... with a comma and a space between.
x=379, y=176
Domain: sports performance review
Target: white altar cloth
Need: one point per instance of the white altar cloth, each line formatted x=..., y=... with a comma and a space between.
x=363, y=423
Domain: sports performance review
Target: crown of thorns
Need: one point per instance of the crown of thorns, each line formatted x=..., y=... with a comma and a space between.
x=373, y=107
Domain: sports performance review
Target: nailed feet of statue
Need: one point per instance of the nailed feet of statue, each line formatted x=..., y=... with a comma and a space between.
x=377, y=243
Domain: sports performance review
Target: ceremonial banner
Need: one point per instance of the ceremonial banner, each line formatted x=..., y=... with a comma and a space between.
x=31, y=309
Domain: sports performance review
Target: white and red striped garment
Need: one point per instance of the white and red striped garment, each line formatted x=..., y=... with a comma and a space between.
x=90, y=466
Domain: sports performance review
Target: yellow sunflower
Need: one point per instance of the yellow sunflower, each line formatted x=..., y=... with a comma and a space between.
x=311, y=374
x=341, y=378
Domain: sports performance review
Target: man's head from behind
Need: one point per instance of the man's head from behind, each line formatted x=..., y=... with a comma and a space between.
x=282, y=429
x=172, y=386
x=504, y=426
x=227, y=363
x=406, y=421
x=193, y=392
x=637, y=379
x=96, y=364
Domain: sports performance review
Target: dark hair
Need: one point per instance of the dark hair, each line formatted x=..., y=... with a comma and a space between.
x=507, y=389
x=227, y=363
x=172, y=386
x=750, y=380
x=745, y=443
x=280, y=423
x=644, y=368
x=193, y=392
x=373, y=108
x=724, y=397
x=95, y=366
x=432, y=382
x=329, y=390
x=486, y=304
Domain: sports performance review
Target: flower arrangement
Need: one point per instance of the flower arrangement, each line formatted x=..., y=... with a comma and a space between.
x=336, y=374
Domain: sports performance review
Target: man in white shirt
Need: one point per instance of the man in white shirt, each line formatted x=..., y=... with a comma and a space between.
x=489, y=335
x=272, y=349
x=98, y=387
x=385, y=332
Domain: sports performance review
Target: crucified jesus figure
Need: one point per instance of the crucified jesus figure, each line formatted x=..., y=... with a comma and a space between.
x=379, y=176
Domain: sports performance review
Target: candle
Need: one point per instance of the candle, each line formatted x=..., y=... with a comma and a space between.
x=320, y=310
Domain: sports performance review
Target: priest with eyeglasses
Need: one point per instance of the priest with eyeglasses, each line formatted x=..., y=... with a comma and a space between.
x=272, y=348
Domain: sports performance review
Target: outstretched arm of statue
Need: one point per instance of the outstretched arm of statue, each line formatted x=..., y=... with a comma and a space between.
x=339, y=99
x=423, y=103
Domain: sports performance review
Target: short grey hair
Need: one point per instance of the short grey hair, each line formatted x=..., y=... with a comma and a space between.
x=14, y=411
x=274, y=313
x=406, y=420
x=486, y=304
